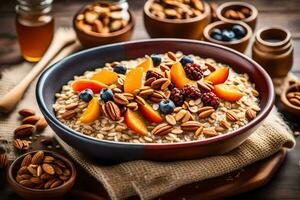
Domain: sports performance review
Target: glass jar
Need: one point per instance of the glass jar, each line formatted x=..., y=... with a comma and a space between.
x=35, y=27
x=273, y=50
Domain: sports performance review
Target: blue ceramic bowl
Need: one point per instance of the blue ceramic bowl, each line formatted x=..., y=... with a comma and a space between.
x=51, y=81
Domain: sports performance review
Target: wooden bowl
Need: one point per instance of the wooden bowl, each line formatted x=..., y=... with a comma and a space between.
x=51, y=81
x=176, y=28
x=92, y=39
x=239, y=45
x=290, y=108
x=251, y=21
x=32, y=194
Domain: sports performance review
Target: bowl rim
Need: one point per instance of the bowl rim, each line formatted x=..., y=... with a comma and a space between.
x=223, y=6
x=262, y=115
x=71, y=181
x=213, y=25
x=176, y=21
x=287, y=38
x=124, y=30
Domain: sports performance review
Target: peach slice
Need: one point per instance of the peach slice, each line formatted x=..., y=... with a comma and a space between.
x=105, y=76
x=178, y=76
x=92, y=112
x=82, y=84
x=133, y=80
x=227, y=93
x=146, y=64
x=151, y=114
x=135, y=122
x=219, y=76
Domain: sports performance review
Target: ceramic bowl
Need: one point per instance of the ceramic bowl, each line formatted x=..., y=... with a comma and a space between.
x=290, y=108
x=239, y=45
x=92, y=39
x=51, y=82
x=251, y=21
x=32, y=194
x=171, y=28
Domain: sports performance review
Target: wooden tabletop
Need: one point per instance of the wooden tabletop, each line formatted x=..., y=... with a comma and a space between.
x=286, y=183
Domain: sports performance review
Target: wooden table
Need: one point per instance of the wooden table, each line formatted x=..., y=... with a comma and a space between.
x=286, y=183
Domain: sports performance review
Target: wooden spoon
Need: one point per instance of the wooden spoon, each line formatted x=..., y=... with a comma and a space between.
x=62, y=37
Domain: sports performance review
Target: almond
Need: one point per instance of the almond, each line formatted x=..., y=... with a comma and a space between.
x=26, y=183
x=25, y=130
x=31, y=120
x=26, y=160
x=209, y=132
x=26, y=112
x=162, y=129
x=171, y=55
x=190, y=126
x=41, y=124
x=48, y=169
x=206, y=113
x=171, y=119
x=37, y=158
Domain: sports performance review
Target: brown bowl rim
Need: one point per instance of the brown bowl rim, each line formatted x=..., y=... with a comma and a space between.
x=273, y=28
x=285, y=101
x=223, y=6
x=176, y=21
x=127, y=28
x=211, y=26
x=65, y=160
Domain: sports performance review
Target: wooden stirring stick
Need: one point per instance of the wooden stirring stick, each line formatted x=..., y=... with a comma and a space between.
x=62, y=37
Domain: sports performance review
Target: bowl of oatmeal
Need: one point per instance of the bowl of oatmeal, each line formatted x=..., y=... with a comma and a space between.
x=163, y=99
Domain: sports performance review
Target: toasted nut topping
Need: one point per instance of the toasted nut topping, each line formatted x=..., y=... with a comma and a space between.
x=231, y=116
x=190, y=125
x=170, y=119
x=250, y=114
x=162, y=129
x=24, y=130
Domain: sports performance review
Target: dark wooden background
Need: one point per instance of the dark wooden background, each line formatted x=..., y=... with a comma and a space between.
x=286, y=183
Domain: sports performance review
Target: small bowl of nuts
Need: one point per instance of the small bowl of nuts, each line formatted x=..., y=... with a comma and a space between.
x=291, y=99
x=238, y=11
x=177, y=19
x=41, y=175
x=103, y=23
x=235, y=35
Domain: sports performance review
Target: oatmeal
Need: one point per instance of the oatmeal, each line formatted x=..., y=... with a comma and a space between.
x=163, y=98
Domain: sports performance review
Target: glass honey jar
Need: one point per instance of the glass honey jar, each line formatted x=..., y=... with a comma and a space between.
x=35, y=27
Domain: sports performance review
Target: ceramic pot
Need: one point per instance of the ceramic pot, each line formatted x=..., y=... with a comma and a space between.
x=273, y=50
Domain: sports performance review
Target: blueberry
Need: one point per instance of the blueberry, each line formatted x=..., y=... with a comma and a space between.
x=156, y=59
x=86, y=95
x=239, y=31
x=228, y=35
x=216, y=31
x=120, y=69
x=166, y=106
x=217, y=37
x=185, y=60
x=106, y=95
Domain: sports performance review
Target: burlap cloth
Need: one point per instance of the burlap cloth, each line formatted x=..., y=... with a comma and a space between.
x=146, y=178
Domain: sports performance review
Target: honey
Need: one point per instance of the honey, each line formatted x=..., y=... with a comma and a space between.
x=34, y=27
x=34, y=38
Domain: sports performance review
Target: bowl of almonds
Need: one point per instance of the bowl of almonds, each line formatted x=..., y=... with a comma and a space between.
x=41, y=175
x=291, y=99
x=177, y=19
x=103, y=23
x=238, y=11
